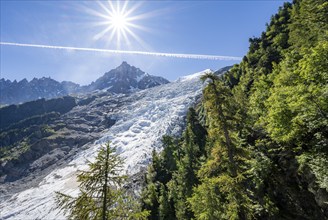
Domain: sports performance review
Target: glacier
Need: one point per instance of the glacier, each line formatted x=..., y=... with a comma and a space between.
x=138, y=130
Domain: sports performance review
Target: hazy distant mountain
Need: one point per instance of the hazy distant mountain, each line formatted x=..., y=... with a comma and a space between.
x=123, y=79
x=23, y=91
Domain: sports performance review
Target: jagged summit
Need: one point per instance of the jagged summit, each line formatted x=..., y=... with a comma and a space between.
x=123, y=79
x=125, y=65
x=13, y=92
x=127, y=69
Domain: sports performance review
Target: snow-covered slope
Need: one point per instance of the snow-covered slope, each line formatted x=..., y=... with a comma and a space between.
x=138, y=129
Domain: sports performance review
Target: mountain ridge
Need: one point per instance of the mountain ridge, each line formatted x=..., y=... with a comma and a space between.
x=123, y=79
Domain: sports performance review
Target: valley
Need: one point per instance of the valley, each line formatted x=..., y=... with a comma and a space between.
x=134, y=123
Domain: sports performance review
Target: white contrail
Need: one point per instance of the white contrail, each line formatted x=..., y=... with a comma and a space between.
x=176, y=55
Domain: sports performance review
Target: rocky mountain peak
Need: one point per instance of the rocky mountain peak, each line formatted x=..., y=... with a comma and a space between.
x=123, y=65
x=125, y=70
x=123, y=79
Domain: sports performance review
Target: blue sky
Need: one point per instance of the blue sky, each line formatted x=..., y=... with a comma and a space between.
x=190, y=27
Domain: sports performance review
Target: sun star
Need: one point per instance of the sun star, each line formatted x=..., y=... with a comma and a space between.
x=118, y=22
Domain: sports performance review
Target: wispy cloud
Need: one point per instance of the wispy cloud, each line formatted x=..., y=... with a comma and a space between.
x=132, y=52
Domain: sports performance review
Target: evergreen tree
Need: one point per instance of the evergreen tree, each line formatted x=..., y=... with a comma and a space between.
x=165, y=209
x=150, y=194
x=263, y=154
x=185, y=178
x=215, y=107
x=101, y=194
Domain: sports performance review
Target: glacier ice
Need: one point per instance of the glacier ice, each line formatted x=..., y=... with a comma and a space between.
x=137, y=131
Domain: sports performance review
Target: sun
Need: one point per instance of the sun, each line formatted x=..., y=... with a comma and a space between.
x=119, y=23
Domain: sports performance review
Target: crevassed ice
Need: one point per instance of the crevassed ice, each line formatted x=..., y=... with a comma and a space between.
x=138, y=131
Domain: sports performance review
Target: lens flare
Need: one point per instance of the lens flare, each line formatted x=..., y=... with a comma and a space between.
x=118, y=22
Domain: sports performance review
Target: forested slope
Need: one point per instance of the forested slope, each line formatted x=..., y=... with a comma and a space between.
x=256, y=146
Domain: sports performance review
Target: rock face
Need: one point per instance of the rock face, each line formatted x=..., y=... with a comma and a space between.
x=123, y=79
x=15, y=113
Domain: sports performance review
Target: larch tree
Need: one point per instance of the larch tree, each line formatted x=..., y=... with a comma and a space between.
x=101, y=195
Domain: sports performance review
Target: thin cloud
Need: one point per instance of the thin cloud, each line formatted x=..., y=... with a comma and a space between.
x=132, y=52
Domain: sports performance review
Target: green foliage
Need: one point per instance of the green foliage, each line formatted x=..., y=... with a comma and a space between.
x=101, y=194
x=9, y=153
x=166, y=210
x=16, y=142
x=257, y=121
x=150, y=200
x=297, y=107
x=318, y=163
x=309, y=23
x=172, y=174
x=215, y=199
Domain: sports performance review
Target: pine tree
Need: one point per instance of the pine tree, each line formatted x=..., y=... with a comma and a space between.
x=101, y=193
x=217, y=101
x=165, y=209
